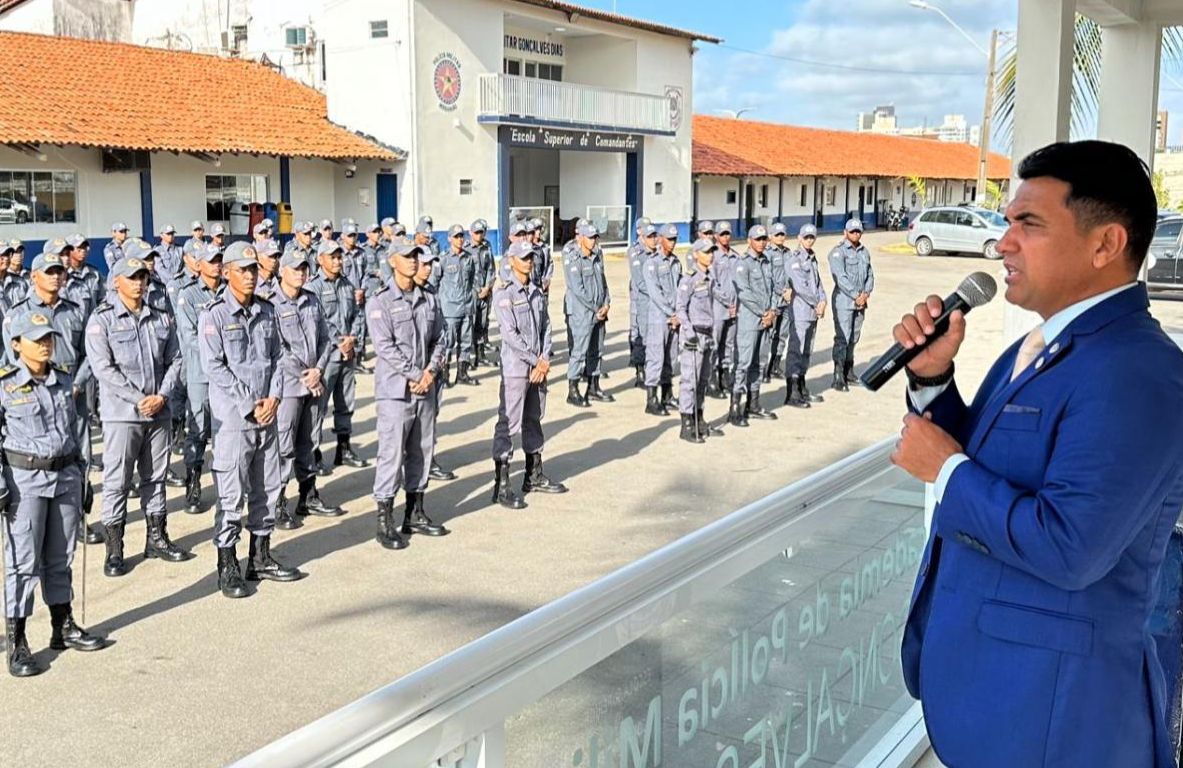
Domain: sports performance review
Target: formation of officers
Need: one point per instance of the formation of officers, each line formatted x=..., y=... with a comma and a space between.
x=246, y=347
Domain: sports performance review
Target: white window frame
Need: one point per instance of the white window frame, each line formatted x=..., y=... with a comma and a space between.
x=379, y=29
x=31, y=200
x=259, y=185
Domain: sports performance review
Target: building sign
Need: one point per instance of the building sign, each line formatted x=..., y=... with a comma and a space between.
x=446, y=80
x=673, y=95
x=554, y=138
x=531, y=45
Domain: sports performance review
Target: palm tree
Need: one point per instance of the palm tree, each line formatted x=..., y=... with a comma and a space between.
x=1086, y=75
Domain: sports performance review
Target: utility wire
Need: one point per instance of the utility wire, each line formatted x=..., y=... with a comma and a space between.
x=848, y=67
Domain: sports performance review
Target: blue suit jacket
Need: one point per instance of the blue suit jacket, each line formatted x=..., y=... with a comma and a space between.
x=1027, y=640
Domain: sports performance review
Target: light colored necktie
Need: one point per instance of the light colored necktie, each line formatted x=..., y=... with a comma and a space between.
x=1033, y=345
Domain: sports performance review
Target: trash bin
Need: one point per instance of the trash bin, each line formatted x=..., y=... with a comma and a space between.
x=240, y=218
x=270, y=212
x=283, y=218
x=256, y=215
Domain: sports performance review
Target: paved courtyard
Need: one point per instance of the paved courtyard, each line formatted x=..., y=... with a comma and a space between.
x=194, y=679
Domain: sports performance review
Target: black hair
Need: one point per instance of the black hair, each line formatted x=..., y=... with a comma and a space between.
x=1108, y=183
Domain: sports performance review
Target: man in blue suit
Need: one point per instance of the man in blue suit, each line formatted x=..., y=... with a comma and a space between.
x=1057, y=488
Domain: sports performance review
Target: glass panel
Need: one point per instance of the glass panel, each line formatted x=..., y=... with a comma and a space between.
x=556, y=72
x=258, y=189
x=531, y=69
x=213, y=198
x=43, y=197
x=7, y=209
x=513, y=67
x=795, y=663
x=64, y=197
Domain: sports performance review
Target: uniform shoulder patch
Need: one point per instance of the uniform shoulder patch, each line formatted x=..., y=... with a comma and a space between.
x=104, y=307
x=7, y=371
x=380, y=290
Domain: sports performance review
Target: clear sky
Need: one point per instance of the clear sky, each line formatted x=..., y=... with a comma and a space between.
x=894, y=54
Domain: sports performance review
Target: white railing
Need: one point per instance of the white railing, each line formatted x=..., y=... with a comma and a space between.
x=472, y=707
x=584, y=106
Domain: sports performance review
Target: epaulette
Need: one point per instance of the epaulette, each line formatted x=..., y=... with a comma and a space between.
x=215, y=301
x=59, y=368
x=381, y=289
x=104, y=307
x=7, y=371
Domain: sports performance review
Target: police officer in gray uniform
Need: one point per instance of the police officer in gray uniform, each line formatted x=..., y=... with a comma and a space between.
x=171, y=264
x=408, y=328
x=759, y=305
x=301, y=242
x=132, y=348
x=704, y=230
x=454, y=279
x=355, y=263
x=486, y=273
x=726, y=312
x=638, y=296
x=306, y=342
x=586, y=305
x=524, y=321
x=191, y=302
x=344, y=319
x=662, y=273
x=854, y=281
x=807, y=304
x=778, y=253
x=696, y=325
x=113, y=250
x=425, y=235
x=241, y=350
x=517, y=233
x=13, y=287
x=544, y=263
x=40, y=492
x=17, y=261
x=267, y=252
x=84, y=284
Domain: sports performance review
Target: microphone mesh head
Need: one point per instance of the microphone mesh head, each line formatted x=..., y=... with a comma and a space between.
x=977, y=289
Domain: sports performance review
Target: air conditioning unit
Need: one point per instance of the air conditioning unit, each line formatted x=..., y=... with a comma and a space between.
x=126, y=160
x=233, y=38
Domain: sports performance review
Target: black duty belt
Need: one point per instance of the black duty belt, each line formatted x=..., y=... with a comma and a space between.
x=28, y=461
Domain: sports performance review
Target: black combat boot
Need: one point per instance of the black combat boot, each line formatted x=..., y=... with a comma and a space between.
x=574, y=396
x=689, y=431
x=667, y=396
x=20, y=659
x=502, y=493
x=595, y=393
x=766, y=374
x=848, y=373
x=705, y=429
x=158, y=545
x=754, y=409
x=727, y=380
x=193, y=490
x=388, y=535
x=284, y=519
x=93, y=534
x=229, y=576
x=436, y=472
x=318, y=463
x=737, y=416
x=113, y=565
x=778, y=370
x=68, y=635
x=639, y=379
x=462, y=376
x=415, y=519
x=535, y=480
x=309, y=502
x=713, y=389
x=793, y=394
x=839, y=383
x=178, y=438
x=261, y=565
x=345, y=455
x=172, y=479
x=653, y=403
x=806, y=395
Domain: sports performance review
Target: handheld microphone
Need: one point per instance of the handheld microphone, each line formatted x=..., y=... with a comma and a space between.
x=974, y=291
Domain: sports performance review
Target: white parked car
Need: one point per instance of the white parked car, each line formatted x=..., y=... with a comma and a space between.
x=12, y=212
x=957, y=229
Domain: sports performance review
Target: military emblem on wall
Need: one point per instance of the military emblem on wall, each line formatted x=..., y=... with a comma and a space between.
x=446, y=80
x=673, y=95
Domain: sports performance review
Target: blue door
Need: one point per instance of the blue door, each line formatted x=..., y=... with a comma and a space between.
x=387, y=195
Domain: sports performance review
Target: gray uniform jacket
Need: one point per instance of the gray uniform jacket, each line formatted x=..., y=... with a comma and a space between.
x=779, y=259
x=544, y=265
x=587, y=288
x=754, y=289
x=240, y=350
x=695, y=304
x=851, y=268
x=661, y=283
x=341, y=312
x=806, y=281
x=486, y=268
x=39, y=420
x=308, y=253
x=69, y=353
x=133, y=355
x=408, y=334
x=636, y=274
x=191, y=302
x=355, y=263
x=84, y=287
x=112, y=252
x=524, y=321
x=304, y=337
x=454, y=279
x=723, y=268
x=14, y=288
x=170, y=264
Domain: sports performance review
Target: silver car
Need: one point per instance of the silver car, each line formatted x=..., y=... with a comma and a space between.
x=957, y=229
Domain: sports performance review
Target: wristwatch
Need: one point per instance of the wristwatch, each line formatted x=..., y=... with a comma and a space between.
x=916, y=381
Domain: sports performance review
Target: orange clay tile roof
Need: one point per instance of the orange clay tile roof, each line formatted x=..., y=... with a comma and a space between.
x=100, y=94
x=728, y=147
x=573, y=11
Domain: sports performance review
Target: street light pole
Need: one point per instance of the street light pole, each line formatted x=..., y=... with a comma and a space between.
x=987, y=118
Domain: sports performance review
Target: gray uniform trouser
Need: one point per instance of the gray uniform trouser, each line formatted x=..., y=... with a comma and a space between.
x=246, y=473
x=406, y=445
x=585, y=339
x=198, y=429
x=480, y=321
x=295, y=419
x=747, y=364
x=696, y=371
x=39, y=536
x=460, y=335
x=660, y=343
x=638, y=318
x=725, y=339
x=82, y=426
x=340, y=382
x=799, y=346
x=848, y=327
x=522, y=409
x=177, y=403
x=128, y=446
x=777, y=334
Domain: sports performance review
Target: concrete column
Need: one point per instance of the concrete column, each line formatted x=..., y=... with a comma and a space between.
x=1129, y=86
x=1042, y=102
